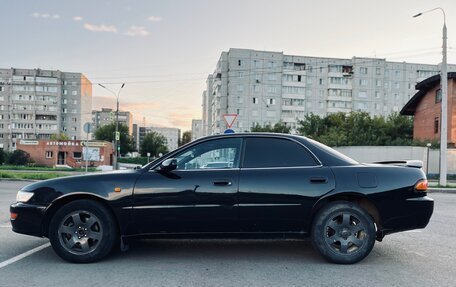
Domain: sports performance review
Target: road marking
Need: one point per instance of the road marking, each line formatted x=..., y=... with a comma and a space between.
x=6, y=225
x=23, y=255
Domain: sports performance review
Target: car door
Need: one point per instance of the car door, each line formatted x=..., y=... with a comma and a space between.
x=200, y=195
x=280, y=181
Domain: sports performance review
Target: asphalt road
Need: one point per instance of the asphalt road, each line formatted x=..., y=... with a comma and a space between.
x=417, y=258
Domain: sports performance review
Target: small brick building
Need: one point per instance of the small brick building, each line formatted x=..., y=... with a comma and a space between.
x=425, y=106
x=67, y=152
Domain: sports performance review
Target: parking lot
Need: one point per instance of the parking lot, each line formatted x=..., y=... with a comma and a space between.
x=422, y=257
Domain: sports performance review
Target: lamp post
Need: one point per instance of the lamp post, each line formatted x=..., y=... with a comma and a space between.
x=116, y=144
x=444, y=105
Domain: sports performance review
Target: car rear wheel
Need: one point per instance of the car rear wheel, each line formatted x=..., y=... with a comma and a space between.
x=343, y=232
x=82, y=231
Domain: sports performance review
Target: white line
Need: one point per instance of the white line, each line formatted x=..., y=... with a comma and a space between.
x=23, y=255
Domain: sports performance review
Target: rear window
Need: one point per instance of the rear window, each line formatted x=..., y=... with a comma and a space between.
x=273, y=152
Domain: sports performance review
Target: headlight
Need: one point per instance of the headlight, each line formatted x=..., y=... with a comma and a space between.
x=23, y=196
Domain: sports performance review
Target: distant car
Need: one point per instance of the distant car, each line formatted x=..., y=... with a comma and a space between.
x=278, y=186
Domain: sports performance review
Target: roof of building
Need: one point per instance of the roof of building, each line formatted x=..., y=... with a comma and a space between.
x=423, y=87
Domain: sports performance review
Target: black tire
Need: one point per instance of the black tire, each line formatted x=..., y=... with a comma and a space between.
x=82, y=231
x=343, y=232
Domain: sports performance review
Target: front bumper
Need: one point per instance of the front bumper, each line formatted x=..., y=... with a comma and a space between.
x=29, y=218
x=413, y=213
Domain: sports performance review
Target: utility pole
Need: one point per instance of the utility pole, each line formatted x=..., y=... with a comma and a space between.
x=116, y=135
x=444, y=104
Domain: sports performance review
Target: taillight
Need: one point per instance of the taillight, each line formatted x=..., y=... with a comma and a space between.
x=421, y=185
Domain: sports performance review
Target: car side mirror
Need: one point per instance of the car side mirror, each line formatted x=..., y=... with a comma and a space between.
x=168, y=164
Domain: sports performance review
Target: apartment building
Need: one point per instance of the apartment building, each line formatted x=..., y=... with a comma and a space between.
x=107, y=116
x=172, y=136
x=264, y=87
x=197, y=129
x=36, y=104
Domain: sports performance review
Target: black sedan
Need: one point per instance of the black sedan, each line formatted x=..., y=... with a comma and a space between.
x=252, y=185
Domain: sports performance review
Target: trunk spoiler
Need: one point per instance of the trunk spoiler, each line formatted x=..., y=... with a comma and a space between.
x=409, y=163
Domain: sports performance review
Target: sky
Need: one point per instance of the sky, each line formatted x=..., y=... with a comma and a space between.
x=164, y=50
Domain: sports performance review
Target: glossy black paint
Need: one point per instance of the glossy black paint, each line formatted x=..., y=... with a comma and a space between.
x=240, y=202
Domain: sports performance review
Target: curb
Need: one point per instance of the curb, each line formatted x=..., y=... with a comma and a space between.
x=18, y=179
x=441, y=190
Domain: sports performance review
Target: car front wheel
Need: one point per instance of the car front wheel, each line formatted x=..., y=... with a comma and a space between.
x=82, y=231
x=343, y=232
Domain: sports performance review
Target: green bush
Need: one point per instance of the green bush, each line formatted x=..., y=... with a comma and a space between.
x=19, y=157
x=134, y=160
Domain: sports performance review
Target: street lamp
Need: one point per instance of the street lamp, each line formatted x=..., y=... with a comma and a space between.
x=116, y=152
x=444, y=105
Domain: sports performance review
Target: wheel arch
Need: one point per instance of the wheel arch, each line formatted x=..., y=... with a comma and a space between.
x=61, y=201
x=354, y=197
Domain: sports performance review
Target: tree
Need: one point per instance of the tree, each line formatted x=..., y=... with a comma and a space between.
x=19, y=157
x=153, y=143
x=107, y=132
x=60, y=137
x=279, y=127
x=358, y=128
x=2, y=156
x=186, y=138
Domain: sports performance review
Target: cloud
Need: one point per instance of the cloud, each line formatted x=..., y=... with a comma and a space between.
x=181, y=119
x=100, y=28
x=45, y=16
x=77, y=18
x=154, y=18
x=137, y=108
x=137, y=31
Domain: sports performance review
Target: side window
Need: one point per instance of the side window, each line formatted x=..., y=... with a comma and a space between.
x=214, y=154
x=273, y=152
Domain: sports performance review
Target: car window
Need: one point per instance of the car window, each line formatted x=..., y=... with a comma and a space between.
x=273, y=152
x=214, y=154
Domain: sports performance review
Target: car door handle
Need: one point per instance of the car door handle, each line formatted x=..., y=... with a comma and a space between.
x=222, y=182
x=318, y=179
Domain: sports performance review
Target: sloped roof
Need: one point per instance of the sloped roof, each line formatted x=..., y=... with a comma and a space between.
x=423, y=87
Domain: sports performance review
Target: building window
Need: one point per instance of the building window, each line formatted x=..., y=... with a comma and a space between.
x=436, y=125
x=438, y=96
x=378, y=71
x=240, y=88
x=271, y=101
x=77, y=155
x=74, y=93
x=239, y=62
x=363, y=70
x=255, y=100
x=49, y=154
x=241, y=75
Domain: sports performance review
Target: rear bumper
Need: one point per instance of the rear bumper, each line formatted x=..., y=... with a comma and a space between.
x=29, y=218
x=414, y=213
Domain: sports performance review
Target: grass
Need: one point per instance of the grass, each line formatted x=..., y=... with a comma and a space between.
x=31, y=175
x=42, y=168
